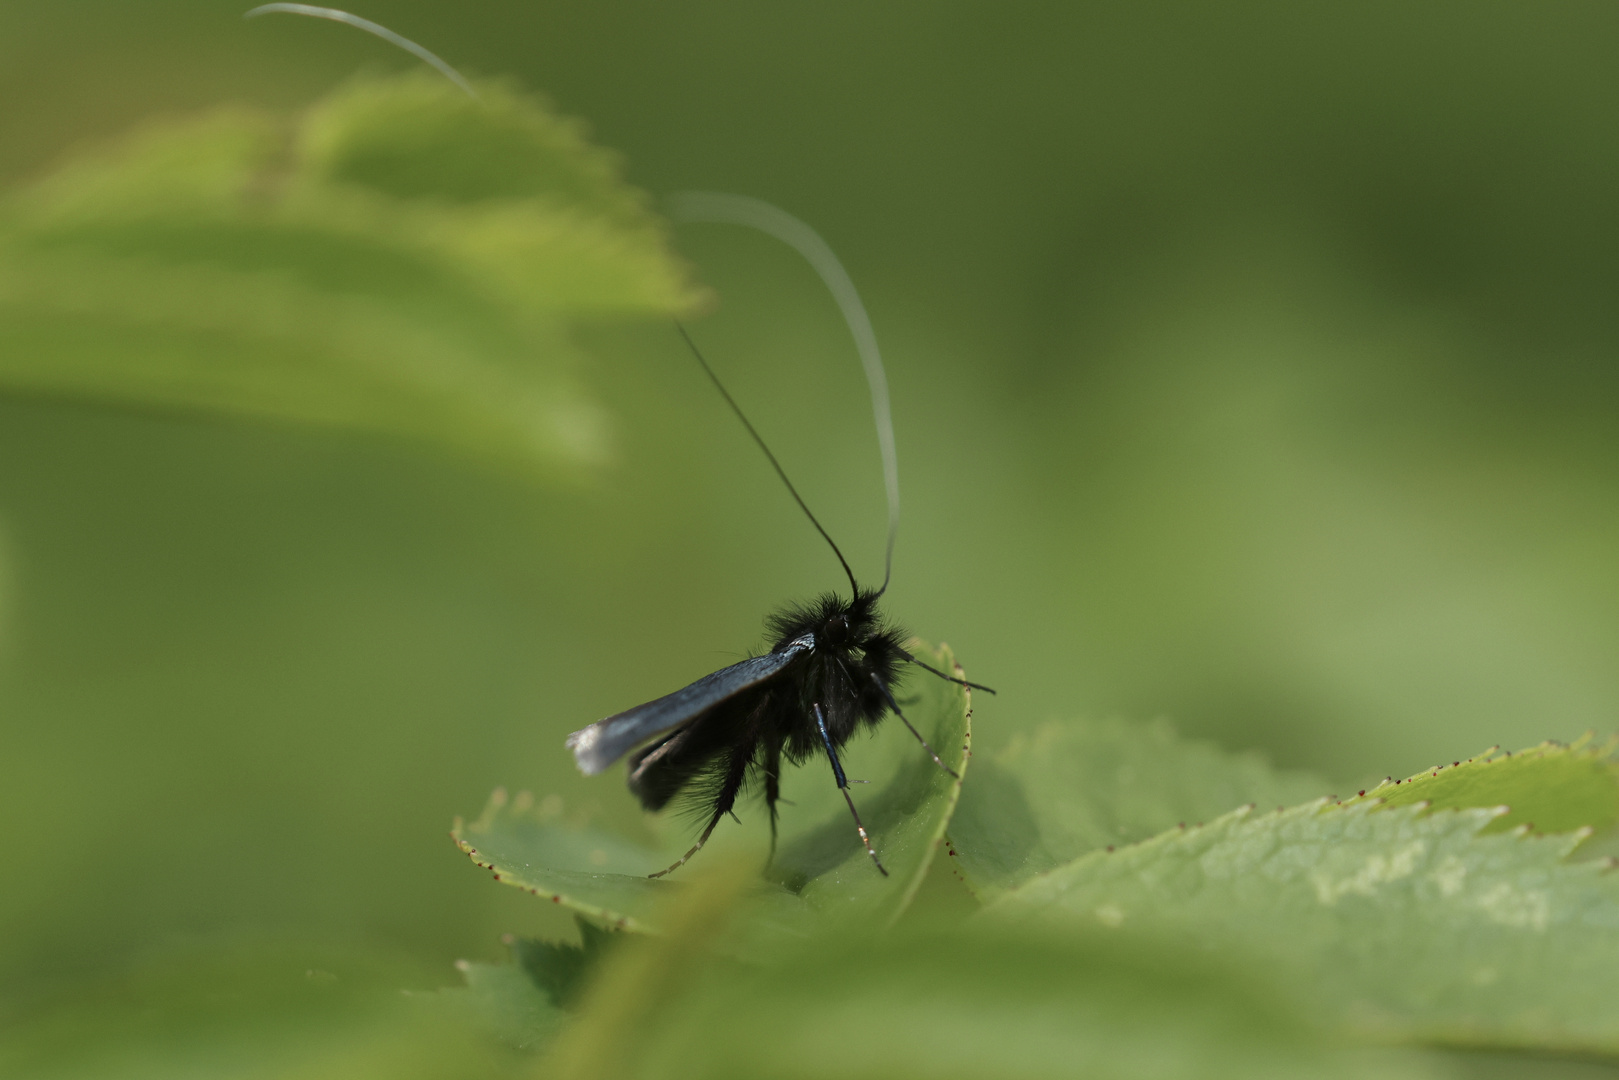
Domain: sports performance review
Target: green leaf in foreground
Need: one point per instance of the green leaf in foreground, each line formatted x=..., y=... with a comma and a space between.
x=1405, y=923
x=399, y=258
x=1067, y=788
x=820, y=866
x=937, y=1004
x=249, y=1009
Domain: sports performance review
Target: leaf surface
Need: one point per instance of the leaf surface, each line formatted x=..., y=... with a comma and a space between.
x=1066, y=788
x=590, y=871
x=938, y=1003
x=1407, y=924
x=1550, y=788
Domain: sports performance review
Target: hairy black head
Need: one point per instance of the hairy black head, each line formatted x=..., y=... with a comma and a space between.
x=835, y=621
x=856, y=659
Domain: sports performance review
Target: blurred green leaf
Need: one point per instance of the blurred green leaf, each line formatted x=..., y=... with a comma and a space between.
x=1406, y=923
x=399, y=258
x=248, y=1010
x=935, y=1003
x=559, y=969
x=503, y=1000
x=1551, y=788
x=820, y=865
x=523, y=1003
x=1066, y=788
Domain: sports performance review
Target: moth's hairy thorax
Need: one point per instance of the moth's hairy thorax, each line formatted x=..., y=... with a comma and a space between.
x=856, y=655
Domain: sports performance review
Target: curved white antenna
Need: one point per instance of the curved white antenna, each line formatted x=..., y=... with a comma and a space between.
x=712, y=206
x=371, y=28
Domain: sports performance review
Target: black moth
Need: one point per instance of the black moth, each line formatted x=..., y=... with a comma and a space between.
x=831, y=667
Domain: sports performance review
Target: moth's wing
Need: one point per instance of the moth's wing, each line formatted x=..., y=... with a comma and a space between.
x=672, y=762
x=605, y=741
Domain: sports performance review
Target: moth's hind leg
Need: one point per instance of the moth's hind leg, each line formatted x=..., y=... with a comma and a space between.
x=771, y=767
x=736, y=773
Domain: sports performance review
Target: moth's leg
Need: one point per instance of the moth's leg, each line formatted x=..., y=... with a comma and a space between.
x=708, y=831
x=736, y=772
x=772, y=771
x=888, y=696
x=843, y=786
x=942, y=675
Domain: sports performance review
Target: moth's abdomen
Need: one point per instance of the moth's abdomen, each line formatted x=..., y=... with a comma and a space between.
x=685, y=762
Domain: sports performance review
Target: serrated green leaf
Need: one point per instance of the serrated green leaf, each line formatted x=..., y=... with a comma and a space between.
x=937, y=1004
x=503, y=1000
x=1551, y=788
x=1069, y=787
x=588, y=870
x=560, y=969
x=525, y=1002
x=820, y=866
x=399, y=258
x=1405, y=923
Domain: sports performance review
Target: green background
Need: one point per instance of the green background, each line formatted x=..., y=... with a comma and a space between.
x=1252, y=366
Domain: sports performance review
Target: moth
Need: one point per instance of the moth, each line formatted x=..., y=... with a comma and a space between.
x=832, y=664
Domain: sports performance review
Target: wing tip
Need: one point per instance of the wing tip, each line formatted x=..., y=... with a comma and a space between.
x=586, y=746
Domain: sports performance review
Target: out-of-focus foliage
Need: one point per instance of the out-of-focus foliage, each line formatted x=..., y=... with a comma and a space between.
x=400, y=257
x=252, y=1008
x=935, y=1003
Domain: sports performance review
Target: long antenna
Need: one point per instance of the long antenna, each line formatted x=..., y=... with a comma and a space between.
x=740, y=415
x=709, y=206
x=731, y=209
x=369, y=27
